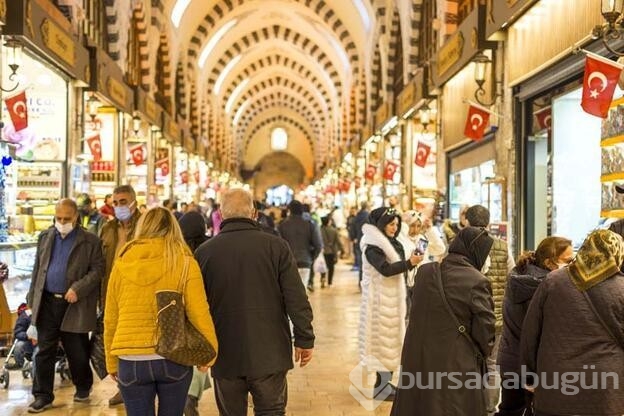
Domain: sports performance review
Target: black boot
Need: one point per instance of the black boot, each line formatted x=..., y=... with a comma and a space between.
x=382, y=384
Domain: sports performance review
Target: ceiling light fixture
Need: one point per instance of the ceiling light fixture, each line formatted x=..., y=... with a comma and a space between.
x=613, y=28
x=178, y=11
x=14, y=60
x=224, y=73
x=213, y=42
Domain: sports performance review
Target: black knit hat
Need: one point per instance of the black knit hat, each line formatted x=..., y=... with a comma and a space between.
x=382, y=216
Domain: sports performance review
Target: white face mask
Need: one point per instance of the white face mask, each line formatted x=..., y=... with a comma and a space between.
x=486, y=265
x=64, y=229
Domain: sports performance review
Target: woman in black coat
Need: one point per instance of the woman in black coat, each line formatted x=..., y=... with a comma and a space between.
x=532, y=267
x=573, y=333
x=193, y=226
x=440, y=343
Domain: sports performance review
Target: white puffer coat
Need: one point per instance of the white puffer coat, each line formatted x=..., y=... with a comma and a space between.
x=383, y=308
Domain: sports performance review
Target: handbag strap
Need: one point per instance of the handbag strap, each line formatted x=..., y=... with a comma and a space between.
x=184, y=276
x=602, y=322
x=460, y=327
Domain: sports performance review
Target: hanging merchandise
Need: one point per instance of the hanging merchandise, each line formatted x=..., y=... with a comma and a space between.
x=389, y=170
x=422, y=154
x=18, y=110
x=599, y=82
x=476, y=122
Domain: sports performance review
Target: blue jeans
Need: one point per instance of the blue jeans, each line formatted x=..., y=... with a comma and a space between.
x=141, y=381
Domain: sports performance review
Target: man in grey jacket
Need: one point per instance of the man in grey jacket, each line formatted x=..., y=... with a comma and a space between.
x=63, y=297
x=303, y=238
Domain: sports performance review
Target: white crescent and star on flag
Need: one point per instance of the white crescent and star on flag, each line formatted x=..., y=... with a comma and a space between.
x=19, y=108
x=421, y=154
x=594, y=93
x=479, y=121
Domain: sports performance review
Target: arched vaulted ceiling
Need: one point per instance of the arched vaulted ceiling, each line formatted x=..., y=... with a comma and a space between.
x=265, y=63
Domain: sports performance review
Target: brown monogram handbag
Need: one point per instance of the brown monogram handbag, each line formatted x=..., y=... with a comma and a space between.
x=177, y=339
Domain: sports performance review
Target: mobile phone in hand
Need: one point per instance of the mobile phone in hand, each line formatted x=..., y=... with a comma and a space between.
x=421, y=247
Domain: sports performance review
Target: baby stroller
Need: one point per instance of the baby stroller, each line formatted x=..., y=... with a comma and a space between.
x=61, y=367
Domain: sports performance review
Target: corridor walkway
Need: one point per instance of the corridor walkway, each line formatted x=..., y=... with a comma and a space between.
x=320, y=389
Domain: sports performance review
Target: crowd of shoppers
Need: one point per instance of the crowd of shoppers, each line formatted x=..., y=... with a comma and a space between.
x=431, y=305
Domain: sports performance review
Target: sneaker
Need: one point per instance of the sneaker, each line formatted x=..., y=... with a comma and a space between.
x=116, y=399
x=81, y=396
x=39, y=405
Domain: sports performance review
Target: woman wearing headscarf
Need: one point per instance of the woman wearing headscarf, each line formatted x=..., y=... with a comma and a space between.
x=193, y=227
x=552, y=253
x=385, y=264
x=451, y=331
x=573, y=333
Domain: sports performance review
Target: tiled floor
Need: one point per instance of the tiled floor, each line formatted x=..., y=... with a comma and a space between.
x=320, y=389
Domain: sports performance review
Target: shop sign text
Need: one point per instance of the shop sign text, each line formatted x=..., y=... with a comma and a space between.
x=117, y=91
x=450, y=53
x=58, y=41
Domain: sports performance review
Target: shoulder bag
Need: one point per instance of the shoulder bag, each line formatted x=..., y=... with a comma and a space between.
x=461, y=328
x=177, y=339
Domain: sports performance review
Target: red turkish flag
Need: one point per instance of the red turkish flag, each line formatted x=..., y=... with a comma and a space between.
x=422, y=154
x=389, y=170
x=476, y=123
x=370, y=172
x=18, y=110
x=136, y=152
x=163, y=164
x=543, y=118
x=601, y=77
x=95, y=146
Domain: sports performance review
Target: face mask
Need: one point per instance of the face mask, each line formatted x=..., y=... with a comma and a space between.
x=64, y=229
x=123, y=213
x=486, y=265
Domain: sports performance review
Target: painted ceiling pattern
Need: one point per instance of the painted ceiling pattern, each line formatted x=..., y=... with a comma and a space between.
x=318, y=68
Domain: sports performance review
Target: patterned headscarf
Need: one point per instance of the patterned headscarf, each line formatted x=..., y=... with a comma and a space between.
x=598, y=259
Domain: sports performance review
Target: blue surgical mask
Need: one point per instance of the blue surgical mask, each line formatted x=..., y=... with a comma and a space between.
x=123, y=213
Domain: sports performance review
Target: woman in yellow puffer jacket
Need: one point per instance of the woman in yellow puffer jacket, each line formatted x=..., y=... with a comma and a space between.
x=153, y=261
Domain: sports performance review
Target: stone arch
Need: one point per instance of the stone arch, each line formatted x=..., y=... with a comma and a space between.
x=281, y=33
x=140, y=30
x=279, y=119
x=278, y=168
x=320, y=8
x=281, y=61
x=396, y=71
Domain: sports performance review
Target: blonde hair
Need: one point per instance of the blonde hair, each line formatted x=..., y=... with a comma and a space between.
x=237, y=203
x=159, y=222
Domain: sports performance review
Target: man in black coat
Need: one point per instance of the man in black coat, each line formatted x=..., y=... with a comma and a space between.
x=253, y=288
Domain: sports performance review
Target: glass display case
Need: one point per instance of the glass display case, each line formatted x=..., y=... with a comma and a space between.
x=20, y=257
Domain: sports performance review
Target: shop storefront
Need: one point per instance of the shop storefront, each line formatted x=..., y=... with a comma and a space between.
x=556, y=136
x=389, y=150
x=37, y=113
x=37, y=118
x=108, y=108
x=147, y=128
x=472, y=174
x=168, y=165
x=418, y=113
